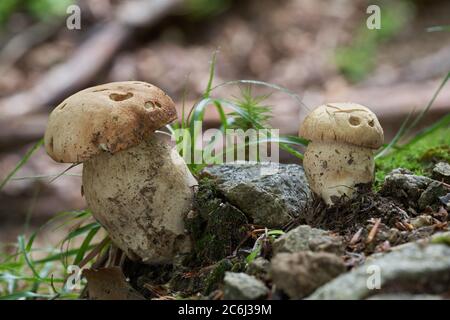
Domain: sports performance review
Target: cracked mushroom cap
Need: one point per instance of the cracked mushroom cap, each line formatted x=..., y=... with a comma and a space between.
x=349, y=123
x=109, y=117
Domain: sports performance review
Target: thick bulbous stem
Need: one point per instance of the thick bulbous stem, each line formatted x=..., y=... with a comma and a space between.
x=334, y=169
x=141, y=196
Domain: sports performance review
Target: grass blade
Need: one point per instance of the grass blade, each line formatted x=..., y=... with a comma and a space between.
x=21, y=242
x=81, y=230
x=430, y=103
x=85, y=245
x=212, y=71
x=445, y=121
x=404, y=129
x=400, y=133
x=264, y=84
x=60, y=255
x=22, y=162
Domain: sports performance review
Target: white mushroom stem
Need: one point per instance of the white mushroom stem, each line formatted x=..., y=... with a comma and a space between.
x=334, y=168
x=141, y=196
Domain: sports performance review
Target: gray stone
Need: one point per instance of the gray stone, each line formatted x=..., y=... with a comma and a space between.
x=414, y=267
x=445, y=200
x=431, y=194
x=402, y=184
x=441, y=172
x=241, y=286
x=299, y=274
x=271, y=195
x=304, y=238
x=259, y=268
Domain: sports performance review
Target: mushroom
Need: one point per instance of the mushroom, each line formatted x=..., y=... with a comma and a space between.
x=340, y=155
x=135, y=183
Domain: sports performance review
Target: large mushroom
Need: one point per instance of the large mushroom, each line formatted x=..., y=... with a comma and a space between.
x=134, y=181
x=340, y=155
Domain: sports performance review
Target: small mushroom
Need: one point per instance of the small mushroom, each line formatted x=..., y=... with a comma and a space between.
x=340, y=155
x=135, y=183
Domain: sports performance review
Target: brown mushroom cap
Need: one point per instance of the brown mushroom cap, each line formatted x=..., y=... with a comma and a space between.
x=110, y=117
x=343, y=122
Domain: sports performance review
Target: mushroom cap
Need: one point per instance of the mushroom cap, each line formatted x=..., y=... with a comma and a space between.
x=109, y=117
x=349, y=123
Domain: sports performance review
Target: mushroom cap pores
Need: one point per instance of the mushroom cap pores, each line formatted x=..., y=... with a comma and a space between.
x=109, y=117
x=343, y=122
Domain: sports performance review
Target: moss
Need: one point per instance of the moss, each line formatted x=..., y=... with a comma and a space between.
x=216, y=226
x=216, y=276
x=443, y=238
x=418, y=156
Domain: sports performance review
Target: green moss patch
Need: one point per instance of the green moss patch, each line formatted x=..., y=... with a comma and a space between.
x=418, y=156
x=216, y=226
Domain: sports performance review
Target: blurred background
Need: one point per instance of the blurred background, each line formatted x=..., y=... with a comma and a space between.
x=321, y=50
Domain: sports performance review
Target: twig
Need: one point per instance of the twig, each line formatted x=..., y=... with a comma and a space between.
x=356, y=237
x=373, y=231
x=21, y=43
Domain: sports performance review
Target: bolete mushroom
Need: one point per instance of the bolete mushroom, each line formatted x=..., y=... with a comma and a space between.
x=136, y=185
x=340, y=155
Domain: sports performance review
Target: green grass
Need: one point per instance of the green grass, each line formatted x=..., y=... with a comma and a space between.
x=247, y=111
x=40, y=273
x=269, y=235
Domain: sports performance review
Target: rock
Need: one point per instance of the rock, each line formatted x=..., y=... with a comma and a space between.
x=259, y=268
x=445, y=200
x=441, y=172
x=410, y=268
x=404, y=185
x=299, y=274
x=270, y=200
x=304, y=238
x=422, y=221
x=431, y=194
x=241, y=286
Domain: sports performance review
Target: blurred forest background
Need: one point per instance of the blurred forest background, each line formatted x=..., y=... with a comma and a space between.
x=321, y=50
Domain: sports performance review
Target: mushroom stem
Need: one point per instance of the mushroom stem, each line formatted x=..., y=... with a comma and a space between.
x=141, y=195
x=334, y=169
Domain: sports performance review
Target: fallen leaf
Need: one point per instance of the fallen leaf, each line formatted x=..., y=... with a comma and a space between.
x=109, y=284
